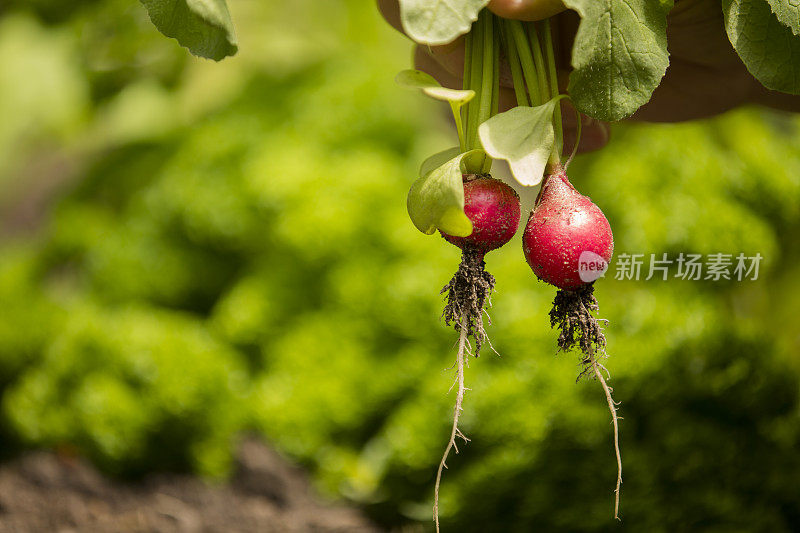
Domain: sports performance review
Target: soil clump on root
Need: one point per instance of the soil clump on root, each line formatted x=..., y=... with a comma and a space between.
x=468, y=293
x=573, y=314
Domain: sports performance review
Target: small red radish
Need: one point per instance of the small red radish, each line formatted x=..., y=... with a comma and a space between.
x=564, y=229
x=493, y=208
x=566, y=232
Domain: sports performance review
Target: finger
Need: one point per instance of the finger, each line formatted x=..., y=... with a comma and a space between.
x=594, y=133
x=526, y=9
x=448, y=62
x=390, y=9
x=447, y=67
x=773, y=99
x=593, y=137
x=690, y=91
x=426, y=61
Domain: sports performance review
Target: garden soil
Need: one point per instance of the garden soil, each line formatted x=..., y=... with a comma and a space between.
x=47, y=492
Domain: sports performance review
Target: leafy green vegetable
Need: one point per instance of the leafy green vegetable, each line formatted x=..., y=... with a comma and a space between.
x=768, y=48
x=437, y=160
x=438, y=21
x=416, y=79
x=436, y=200
x=202, y=26
x=524, y=137
x=788, y=13
x=619, y=56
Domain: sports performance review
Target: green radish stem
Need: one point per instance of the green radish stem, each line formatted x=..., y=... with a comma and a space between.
x=577, y=139
x=512, y=57
x=485, y=108
x=496, y=64
x=495, y=91
x=546, y=86
x=459, y=127
x=487, y=85
x=526, y=59
x=531, y=58
x=476, y=70
x=551, y=66
x=464, y=141
x=538, y=61
x=482, y=75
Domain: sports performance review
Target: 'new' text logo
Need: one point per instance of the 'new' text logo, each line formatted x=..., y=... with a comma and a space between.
x=591, y=266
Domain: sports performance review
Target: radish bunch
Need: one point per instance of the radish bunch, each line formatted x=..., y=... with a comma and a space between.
x=567, y=240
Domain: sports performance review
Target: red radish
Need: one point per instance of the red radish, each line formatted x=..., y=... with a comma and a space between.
x=565, y=232
x=563, y=225
x=493, y=208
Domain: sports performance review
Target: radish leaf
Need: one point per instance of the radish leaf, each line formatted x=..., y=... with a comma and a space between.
x=788, y=13
x=438, y=21
x=436, y=200
x=524, y=137
x=767, y=48
x=202, y=26
x=438, y=159
x=619, y=56
x=416, y=79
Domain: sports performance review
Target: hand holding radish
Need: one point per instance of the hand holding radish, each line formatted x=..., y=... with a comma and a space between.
x=528, y=82
x=530, y=92
x=705, y=76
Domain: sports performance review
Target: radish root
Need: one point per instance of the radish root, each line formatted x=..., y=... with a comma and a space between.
x=572, y=314
x=455, y=432
x=612, y=406
x=468, y=294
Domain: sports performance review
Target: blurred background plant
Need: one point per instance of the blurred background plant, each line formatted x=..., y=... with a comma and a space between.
x=193, y=250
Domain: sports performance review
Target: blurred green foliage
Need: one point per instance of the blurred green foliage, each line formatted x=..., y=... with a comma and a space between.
x=228, y=250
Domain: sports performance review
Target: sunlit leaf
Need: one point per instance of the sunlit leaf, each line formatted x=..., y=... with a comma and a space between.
x=416, y=79
x=436, y=200
x=768, y=49
x=788, y=13
x=438, y=21
x=524, y=137
x=202, y=26
x=620, y=55
x=438, y=159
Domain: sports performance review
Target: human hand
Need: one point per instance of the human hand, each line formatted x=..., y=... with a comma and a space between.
x=705, y=76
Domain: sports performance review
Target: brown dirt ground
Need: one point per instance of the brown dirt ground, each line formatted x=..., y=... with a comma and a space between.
x=43, y=492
